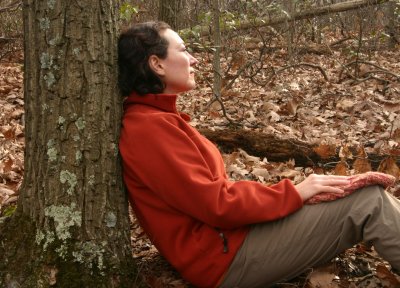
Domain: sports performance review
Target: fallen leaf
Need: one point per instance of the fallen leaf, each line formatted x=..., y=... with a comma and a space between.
x=389, y=166
x=249, y=158
x=341, y=168
x=273, y=117
x=7, y=165
x=6, y=191
x=268, y=106
x=8, y=132
x=290, y=173
x=250, y=116
x=362, y=165
x=322, y=277
x=16, y=114
x=396, y=135
x=325, y=151
x=261, y=172
x=345, y=153
x=10, y=200
x=345, y=105
x=383, y=272
x=290, y=107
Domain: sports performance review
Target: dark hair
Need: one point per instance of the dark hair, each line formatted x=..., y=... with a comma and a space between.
x=135, y=46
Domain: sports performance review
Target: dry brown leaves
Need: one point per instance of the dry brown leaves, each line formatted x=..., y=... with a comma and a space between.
x=358, y=263
x=11, y=133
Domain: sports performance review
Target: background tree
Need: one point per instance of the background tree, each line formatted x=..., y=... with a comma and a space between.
x=71, y=227
x=217, y=85
x=391, y=27
x=289, y=8
x=169, y=12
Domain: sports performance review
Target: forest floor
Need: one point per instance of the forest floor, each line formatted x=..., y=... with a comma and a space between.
x=334, y=107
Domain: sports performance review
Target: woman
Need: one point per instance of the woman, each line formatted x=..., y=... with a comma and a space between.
x=215, y=232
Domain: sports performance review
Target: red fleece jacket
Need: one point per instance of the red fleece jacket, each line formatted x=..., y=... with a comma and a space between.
x=180, y=192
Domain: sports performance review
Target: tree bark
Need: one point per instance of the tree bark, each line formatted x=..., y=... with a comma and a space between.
x=277, y=149
x=217, y=85
x=71, y=227
x=391, y=28
x=324, y=10
x=262, y=145
x=290, y=7
x=169, y=12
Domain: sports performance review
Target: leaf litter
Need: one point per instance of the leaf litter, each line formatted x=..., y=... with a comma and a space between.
x=297, y=104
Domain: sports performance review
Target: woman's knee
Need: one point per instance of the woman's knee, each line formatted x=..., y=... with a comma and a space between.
x=370, y=194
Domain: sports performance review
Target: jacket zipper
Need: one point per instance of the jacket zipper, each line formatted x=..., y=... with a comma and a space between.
x=224, y=240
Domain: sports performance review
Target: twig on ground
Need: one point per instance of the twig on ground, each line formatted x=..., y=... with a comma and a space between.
x=276, y=72
x=307, y=65
x=340, y=41
x=218, y=99
x=367, y=74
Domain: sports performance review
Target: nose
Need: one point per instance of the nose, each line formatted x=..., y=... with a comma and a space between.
x=193, y=61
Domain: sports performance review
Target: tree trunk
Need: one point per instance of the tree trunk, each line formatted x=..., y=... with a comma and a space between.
x=71, y=227
x=391, y=27
x=317, y=25
x=217, y=85
x=290, y=7
x=328, y=9
x=169, y=12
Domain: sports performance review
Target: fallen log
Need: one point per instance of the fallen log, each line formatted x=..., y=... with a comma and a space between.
x=278, y=149
x=263, y=145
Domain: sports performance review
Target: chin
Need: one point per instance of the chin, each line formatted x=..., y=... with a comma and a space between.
x=189, y=87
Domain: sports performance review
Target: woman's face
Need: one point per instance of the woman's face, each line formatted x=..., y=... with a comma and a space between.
x=177, y=69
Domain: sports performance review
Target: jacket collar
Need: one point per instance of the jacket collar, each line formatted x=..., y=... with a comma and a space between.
x=165, y=102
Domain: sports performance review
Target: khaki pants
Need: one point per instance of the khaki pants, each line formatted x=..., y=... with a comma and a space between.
x=280, y=250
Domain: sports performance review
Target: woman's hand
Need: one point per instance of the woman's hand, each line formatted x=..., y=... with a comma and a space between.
x=315, y=184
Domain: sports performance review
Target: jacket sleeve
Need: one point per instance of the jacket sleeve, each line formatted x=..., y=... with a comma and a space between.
x=170, y=163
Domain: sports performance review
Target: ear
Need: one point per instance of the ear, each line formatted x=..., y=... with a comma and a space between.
x=156, y=65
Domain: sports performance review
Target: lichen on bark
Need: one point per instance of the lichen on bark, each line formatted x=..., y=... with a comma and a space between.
x=70, y=179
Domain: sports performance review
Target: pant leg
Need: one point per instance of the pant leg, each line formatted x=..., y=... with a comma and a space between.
x=280, y=250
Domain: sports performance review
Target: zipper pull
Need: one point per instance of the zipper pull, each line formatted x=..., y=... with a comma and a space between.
x=225, y=242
